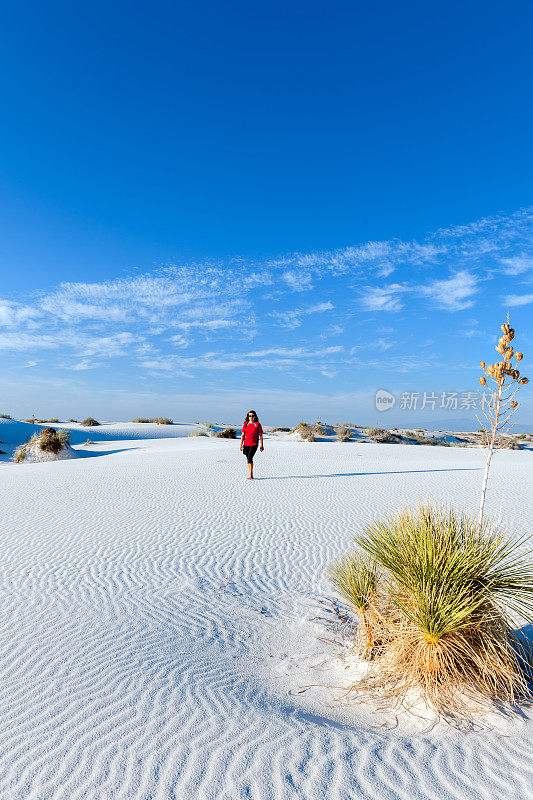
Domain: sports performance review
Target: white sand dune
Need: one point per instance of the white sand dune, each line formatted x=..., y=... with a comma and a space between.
x=158, y=626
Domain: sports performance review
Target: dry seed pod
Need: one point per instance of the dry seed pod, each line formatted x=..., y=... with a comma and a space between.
x=482, y=364
x=519, y=356
x=508, y=354
x=523, y=381
x=515, y=374
x=483, y=380
x=500, y=348
x=505, y=327
x=510, y=333
x=514, y=404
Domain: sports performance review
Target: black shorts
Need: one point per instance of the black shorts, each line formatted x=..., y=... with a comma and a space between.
x=249, y=452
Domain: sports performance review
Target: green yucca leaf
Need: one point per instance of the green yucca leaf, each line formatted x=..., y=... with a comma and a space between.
x=356, y=578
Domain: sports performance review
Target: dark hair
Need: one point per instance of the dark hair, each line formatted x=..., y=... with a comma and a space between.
x=246, y=417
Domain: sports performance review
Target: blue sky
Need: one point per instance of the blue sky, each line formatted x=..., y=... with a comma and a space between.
x=279, y=205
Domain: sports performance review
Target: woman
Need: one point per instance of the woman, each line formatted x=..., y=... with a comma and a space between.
x=251, y=433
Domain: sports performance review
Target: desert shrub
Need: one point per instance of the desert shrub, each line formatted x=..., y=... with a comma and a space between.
x=163, y=421
x=198, y=433
x=281, y=430
x=305, y=431
x=227, y=433
x=426, y=440
x=50, y=441
x=72, y=420
x=318, y=429
x=89, y=441
x=63, y=436
x=386, y=437
x=90, y=422
x=209, y=425
x=510, y=444
x=6, y=416
x=20, y=453
x=142, y=419
x=52, y=420
x=444, y=611
x=376, y=431
x=344, y=434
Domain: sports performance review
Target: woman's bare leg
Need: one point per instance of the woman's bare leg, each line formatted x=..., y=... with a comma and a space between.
x=251, y=469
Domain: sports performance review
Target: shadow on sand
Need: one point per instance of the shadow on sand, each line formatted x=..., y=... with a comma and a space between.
x=359, y=474
x=95, y=453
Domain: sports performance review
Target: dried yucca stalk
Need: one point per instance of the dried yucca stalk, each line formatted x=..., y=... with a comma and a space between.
x=505, y=381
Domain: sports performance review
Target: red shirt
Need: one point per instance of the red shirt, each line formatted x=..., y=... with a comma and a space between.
x=251, y=432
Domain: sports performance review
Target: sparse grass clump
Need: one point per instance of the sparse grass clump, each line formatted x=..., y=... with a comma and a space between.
x=48, y=440
x=90, y=422
x=6, y=416
x=384, y=437
x=227, y=433
x=344, y=434
x=198, y=433
x=306, y=432
x=163, y=421
x=281, y=430
x=142, y=419
x=72, y=420
x=443, y=610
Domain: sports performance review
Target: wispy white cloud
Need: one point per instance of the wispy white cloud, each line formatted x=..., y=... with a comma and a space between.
x=517, y=299
x=452, y=294
x=293, y=318
x=518, y=265
x=382, y=298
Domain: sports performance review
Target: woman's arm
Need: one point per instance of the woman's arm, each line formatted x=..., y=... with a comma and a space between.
x=261, y=435
x=242, y=438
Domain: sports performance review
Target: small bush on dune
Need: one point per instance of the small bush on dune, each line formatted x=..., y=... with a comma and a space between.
x=227, y=433
x=386, y=437
x=49, y=440
x=281, y=430
x=443, y=610
x=142, y=419
x=198, y=433
x=63, y=436
x=305, y=431
x=6, y=416
x=163, y=421
x=72, y=420
x=344, y=434
x=90, y=422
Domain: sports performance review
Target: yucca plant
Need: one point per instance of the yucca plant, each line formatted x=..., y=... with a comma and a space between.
x=356, y=578
x=505, y=381
x=450, y=592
